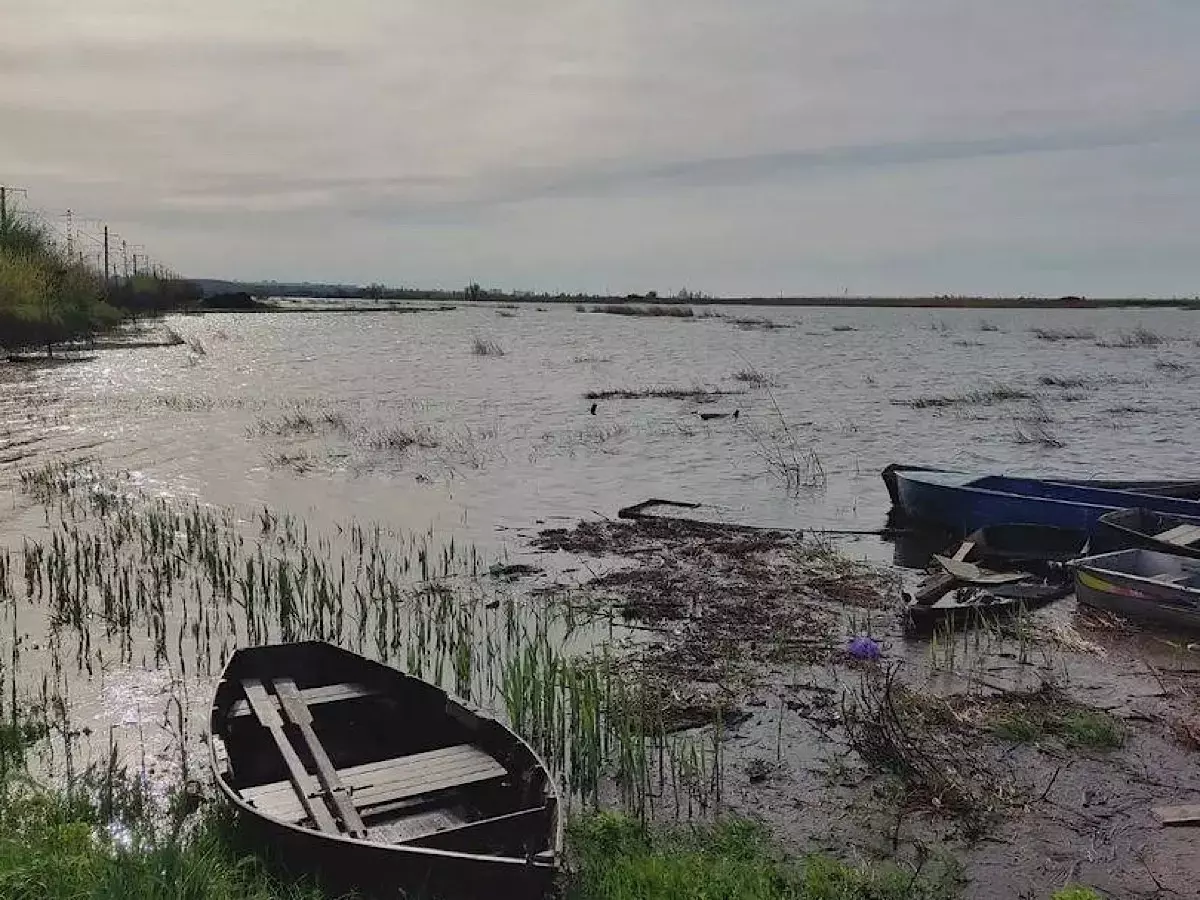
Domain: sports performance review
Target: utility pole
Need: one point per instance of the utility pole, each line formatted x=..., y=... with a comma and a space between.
x=105, y=259
x=125, y=257
x=70, y=235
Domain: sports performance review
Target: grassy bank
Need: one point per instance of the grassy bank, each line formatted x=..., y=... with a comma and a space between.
x=48, y=298
x=69, y=846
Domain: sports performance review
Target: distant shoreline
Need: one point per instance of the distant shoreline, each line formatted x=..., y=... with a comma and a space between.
x=350, y=304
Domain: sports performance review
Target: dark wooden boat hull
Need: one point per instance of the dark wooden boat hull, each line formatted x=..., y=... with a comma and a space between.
x=985, y=605
x=1132, y=529
x=450, y=803
x=1023, y=543
x=1129, y=583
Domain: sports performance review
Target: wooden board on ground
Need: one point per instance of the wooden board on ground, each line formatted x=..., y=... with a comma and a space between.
x=973, y=574
x=1188, y=814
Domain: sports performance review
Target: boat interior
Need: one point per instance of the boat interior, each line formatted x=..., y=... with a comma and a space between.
x=1168, y=529
x=315, y=737
x=1163, y=568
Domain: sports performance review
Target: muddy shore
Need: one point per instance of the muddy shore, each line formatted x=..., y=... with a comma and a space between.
x=963, y=745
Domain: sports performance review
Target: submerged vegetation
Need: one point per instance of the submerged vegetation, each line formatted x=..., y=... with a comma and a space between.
x=1139, y=337
x=668, y=311
x=989, y=396
x=482, y=346
x=699, y=394
x=1054, y=335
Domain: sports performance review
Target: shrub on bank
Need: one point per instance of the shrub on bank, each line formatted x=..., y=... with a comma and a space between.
x=47, y=299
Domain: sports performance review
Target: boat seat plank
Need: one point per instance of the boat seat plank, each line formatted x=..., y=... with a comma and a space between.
x=1181, y=535
x=329, y=693
x=1171, y=578
x=388, y=780
x=300, y=786
x=298, y=713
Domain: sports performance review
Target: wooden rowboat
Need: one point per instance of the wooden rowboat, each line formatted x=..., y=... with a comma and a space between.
x=969, y=606
x=377, y=781
x=1003, y=554
x=1143, y=584
x=1128, y=529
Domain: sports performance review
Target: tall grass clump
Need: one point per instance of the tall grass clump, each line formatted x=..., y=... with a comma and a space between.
x=1054, y=335
x=482, y=346
x=753, y=377
x=621, y=859
x=987, y=396
x=797, y=466
x=1139, y=337
x=620, y=309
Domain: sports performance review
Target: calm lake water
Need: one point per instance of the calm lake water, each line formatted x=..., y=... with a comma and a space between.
x=506, y=443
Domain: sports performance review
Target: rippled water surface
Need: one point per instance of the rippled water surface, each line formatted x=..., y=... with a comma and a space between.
x=507, y=442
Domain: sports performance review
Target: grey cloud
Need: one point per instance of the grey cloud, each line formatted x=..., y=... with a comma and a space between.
x=774, y=146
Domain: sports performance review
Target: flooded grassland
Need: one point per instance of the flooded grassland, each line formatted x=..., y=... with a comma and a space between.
x=439, y=490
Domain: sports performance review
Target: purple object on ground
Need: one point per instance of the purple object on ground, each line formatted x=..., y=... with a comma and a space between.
x=864, y=648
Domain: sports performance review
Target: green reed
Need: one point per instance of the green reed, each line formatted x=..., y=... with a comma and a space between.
x=130, y=580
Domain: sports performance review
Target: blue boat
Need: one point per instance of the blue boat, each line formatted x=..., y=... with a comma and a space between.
x=963, y=502
x=1189, y=490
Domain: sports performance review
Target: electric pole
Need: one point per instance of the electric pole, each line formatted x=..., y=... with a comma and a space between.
x=105, y=259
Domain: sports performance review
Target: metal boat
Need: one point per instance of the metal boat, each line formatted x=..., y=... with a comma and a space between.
x=1143, y=584
x=1127, y=529
x=963, y=502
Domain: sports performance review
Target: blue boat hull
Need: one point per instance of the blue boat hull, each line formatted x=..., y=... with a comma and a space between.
x=963, y=504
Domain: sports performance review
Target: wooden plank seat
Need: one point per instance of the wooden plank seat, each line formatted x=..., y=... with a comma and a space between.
x=387, y=781
x=1181, y=535
x=314, y=696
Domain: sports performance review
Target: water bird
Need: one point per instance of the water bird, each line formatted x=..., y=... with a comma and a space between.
x=594, y=405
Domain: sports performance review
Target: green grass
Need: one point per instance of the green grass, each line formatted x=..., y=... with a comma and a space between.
x=56, y=848
x=1074, y=726
x=620, y=859
x=1075, y=892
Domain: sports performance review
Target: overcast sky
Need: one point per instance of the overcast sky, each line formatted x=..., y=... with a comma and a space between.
x=729, y=146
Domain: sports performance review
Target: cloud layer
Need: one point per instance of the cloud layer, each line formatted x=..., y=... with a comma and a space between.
x=794, y=146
